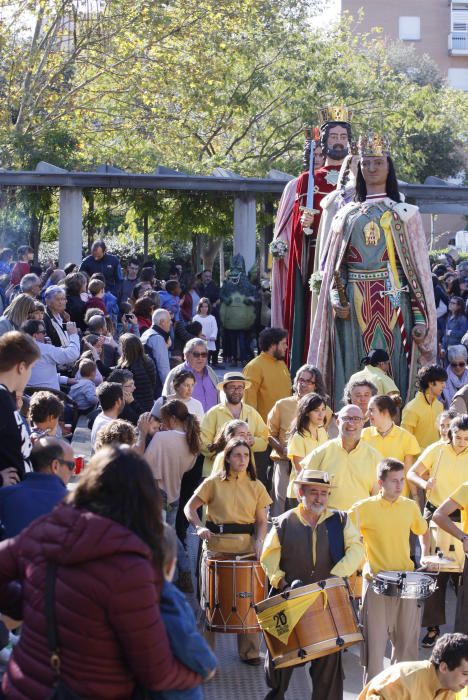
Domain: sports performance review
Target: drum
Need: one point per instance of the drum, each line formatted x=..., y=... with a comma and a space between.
x=410, y=585
x=446, y=552
x=230, y=589
x=355, y=585
x=308, y=622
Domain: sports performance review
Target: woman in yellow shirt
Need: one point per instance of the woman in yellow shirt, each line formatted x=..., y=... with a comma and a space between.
x=439, y=471
x=236, y=520
x=389, y=439
x=306, y=433
x=232, y=429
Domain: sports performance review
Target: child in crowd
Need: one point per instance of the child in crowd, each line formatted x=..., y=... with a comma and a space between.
x=45, y=412
x=83, y=393
x=170, y=299
x=96, y=301
x=210, y=328
x=187, y=644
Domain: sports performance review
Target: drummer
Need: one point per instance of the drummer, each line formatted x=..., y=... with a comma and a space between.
x=445, y=674
x=308, y=544
x=443, y=517
x=236, y=521
x=441, y=469
x=385, y=522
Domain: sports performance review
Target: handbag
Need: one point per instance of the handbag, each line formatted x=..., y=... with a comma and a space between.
x=60, y=691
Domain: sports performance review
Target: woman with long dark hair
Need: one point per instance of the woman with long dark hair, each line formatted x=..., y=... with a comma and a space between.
x=134, y=358
x=172, y=452
x=103, y=546
x=236, y=521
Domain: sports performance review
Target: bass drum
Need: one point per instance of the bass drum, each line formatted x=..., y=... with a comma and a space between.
x=308, y=622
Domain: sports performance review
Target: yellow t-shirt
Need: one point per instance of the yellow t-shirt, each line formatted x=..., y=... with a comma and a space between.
x=450, y=470
x=460, y=496
x=415, y=680
x=270, y=381
x=353, y=474
x=419, y=418
x=398, y=444
x=232, y=500
x=385, y=528
x=301, y=446
x=384, y=383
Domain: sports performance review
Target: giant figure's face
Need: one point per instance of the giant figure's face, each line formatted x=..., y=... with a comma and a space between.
x=375, y=171
x=337, y=144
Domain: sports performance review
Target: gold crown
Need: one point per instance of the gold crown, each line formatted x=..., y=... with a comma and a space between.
x=372, y=144
x=335, y=114
x=311, y=133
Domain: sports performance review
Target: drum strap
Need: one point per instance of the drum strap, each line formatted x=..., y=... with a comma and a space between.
x=230, y=528
x=335, y=528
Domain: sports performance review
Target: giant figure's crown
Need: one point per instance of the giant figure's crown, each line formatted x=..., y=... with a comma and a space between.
x=373, y=144
x=335, y=114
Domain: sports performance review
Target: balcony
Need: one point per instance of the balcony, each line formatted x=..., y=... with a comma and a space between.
x=458, y=43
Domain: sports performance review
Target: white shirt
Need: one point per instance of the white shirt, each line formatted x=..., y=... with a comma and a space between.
x=44, y=372
x=100, y=420
x=209, y=329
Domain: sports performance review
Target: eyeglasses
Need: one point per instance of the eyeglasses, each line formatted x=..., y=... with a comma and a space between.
x=350, y=419
x=70, y=465
x=199, y=354
x=458, y=364
x=301, y=380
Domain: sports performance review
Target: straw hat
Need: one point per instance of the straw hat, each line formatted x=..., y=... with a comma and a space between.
x=314, y=476
x=233, y=377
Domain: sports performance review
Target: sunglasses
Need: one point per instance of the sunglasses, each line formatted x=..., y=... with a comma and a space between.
x=199, y=354
x=458, y=364
x=70, y=465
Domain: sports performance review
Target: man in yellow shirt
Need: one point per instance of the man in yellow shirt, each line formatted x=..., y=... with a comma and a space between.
x=267, y=373
x=443, y=517
x=420, y=415
x=377, y=364
x=310, y=543
x=385, y=522
x=350, y=461
x=307, y=379
x=231, y=407
x=445, y=674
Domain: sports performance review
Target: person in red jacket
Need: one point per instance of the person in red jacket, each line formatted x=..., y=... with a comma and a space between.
x=105, y=541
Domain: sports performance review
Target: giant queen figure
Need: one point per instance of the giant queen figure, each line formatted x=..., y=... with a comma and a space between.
x=376, y=288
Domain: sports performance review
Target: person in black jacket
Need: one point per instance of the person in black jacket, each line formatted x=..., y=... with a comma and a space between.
x=18, y=353
x=133, y=358
x=108, y=265
x=76, y=307
x=132, y=409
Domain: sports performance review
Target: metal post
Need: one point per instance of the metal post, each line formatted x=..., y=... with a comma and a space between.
x=70, y=226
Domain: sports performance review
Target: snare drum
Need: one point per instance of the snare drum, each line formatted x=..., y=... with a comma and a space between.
x=230, y=589
x=404, y=584
x=308, y=630
x=446, y=552
x=355, y=585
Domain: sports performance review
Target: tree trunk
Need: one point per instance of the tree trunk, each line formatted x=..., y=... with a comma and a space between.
x=35, y=237
x=145, y=235
x=209, y=251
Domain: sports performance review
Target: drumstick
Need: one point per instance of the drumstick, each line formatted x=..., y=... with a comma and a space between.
x=244, y=556
x=436, y=469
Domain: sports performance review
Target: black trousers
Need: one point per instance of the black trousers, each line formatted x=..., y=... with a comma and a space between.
x=190, y=481
x=434, y=606
x=326, y=674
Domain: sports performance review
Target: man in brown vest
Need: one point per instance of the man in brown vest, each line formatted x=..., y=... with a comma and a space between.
x=308, y=544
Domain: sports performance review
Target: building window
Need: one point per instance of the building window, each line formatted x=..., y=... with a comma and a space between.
x=458, y=78
x=409, y=28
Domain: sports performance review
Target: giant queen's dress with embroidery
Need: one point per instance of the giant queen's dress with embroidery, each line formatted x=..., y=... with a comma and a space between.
x=379, y=248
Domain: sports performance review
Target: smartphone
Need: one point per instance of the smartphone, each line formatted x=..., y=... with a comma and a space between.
x=128, y=317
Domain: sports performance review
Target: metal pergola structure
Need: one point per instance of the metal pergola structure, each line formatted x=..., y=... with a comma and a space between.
x=433, y=198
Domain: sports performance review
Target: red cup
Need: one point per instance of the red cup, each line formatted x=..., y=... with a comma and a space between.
x=79, y=464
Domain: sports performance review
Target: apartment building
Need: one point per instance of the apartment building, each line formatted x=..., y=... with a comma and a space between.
x=438, y=28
